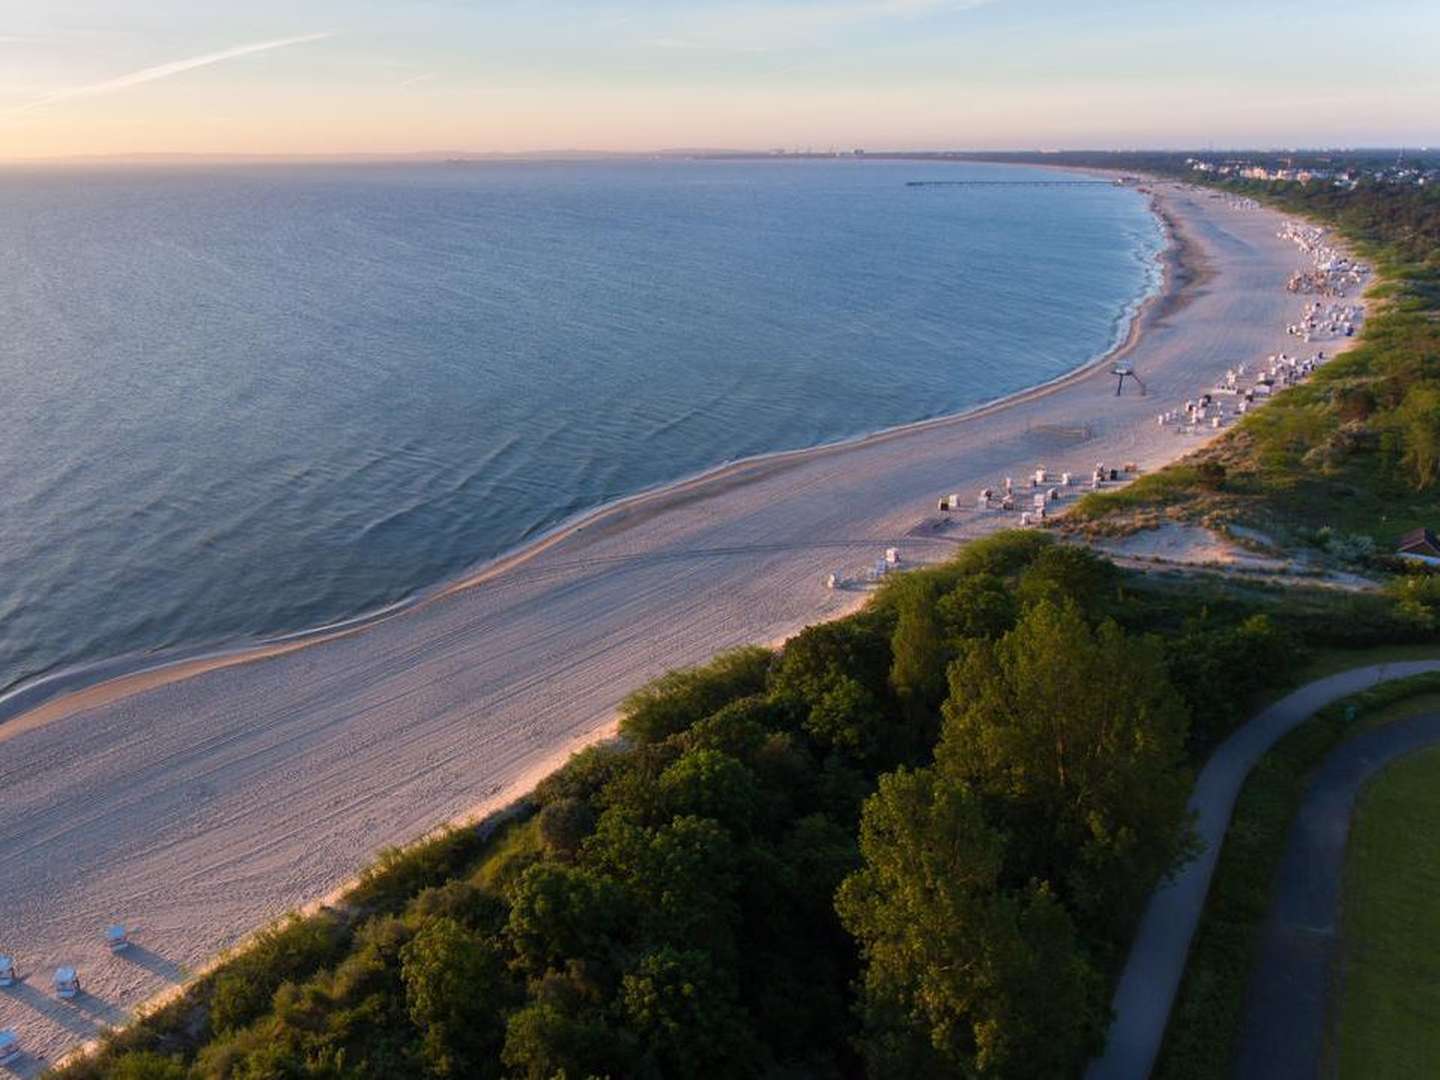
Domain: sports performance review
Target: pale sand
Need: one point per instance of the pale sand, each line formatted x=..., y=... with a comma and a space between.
x=199, y=802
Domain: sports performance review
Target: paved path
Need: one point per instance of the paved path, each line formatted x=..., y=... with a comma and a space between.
x=1284, y=1032
x=1157, y=958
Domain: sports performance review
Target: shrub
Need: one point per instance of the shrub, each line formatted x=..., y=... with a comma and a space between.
x=678, y=699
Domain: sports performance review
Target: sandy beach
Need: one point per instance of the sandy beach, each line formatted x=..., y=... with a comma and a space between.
x=197, y=802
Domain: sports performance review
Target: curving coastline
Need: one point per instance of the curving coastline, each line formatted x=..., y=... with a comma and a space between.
x=231, y=791
x=62, y=693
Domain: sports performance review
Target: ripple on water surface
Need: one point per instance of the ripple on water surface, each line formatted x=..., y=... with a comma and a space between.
x=244, y=401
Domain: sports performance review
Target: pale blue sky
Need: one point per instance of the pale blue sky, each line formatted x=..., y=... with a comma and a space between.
x=105, y=76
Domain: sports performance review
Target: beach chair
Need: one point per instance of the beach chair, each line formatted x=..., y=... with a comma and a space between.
x=67, y=982
x=116, y=939
x=9, y=1046
x=7, y=971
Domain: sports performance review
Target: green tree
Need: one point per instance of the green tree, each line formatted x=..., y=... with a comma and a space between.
x=559, y=913
x=145, y=1065
x=1065, y=572
x=685, y=1016
x=978, y=606
x=564, y=824
x=678, y=699
x=741, y=728
x=1419, y=421
x=848, y=717
x=1076, y=738
x=919, y=654
x=456, y=990
x=1211, y=653
x=709, y=784
x=681, y=877
x=563, y=1033
x=961, y=978
x=1002, y=554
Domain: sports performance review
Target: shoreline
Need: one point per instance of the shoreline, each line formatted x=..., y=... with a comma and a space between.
x=53, y=696
x=266, y=788
x=1181, y=268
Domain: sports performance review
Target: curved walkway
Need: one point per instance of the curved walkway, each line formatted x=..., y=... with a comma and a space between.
x=1284, y=1032
x=1157, y=958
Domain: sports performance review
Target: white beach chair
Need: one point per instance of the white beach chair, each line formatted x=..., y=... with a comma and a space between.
x=67, y=982
x=7, y=971
x=116, y=938
x=9, y=1046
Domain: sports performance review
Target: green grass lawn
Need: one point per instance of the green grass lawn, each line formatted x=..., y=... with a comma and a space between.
x=1200, y=1040
x=1389, y=1017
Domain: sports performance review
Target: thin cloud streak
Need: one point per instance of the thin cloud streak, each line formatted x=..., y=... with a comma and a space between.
x=761, y=27
x=164, y=71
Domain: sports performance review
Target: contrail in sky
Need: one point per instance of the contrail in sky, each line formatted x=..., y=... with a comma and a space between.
x=163, y=71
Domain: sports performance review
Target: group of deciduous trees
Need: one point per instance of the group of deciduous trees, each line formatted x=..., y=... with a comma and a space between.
x=911, y=842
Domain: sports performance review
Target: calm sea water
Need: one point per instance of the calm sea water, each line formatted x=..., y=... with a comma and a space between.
x=236, y=402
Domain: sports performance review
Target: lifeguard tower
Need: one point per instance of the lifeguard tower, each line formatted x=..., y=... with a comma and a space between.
x=1126, y=370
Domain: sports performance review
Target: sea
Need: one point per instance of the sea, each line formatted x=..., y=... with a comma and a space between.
x=245, y=401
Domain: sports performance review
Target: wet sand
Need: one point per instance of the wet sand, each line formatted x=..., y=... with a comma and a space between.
x=199, y=801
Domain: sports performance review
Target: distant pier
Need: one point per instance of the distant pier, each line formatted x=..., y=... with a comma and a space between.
x=1008, y=183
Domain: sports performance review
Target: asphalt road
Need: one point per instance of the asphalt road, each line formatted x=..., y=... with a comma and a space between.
x=1284, y=1032
x=1153, y=970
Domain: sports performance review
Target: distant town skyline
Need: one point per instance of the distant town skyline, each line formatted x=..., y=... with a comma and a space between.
x=100, y=77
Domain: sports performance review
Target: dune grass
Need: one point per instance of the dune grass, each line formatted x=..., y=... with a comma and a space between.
x=1390, y=996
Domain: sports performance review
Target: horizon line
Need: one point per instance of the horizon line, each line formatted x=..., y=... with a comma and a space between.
x=447, y=155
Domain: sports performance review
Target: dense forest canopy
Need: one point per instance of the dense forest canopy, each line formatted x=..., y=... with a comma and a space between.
x=911, y=842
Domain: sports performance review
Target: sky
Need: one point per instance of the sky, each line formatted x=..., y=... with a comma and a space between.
x=118, y=77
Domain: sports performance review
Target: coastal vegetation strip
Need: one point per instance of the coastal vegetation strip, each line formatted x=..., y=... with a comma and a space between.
x=1348, y=462
x=941, y=814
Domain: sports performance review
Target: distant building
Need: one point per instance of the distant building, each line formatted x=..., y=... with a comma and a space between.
x=1419, y=544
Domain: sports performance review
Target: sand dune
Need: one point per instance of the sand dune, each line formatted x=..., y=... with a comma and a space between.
x=197, y=808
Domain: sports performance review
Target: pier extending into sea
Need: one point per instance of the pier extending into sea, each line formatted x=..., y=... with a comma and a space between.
x=1009, y=183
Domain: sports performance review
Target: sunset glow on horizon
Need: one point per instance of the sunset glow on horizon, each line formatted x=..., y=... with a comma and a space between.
x=97, y=77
